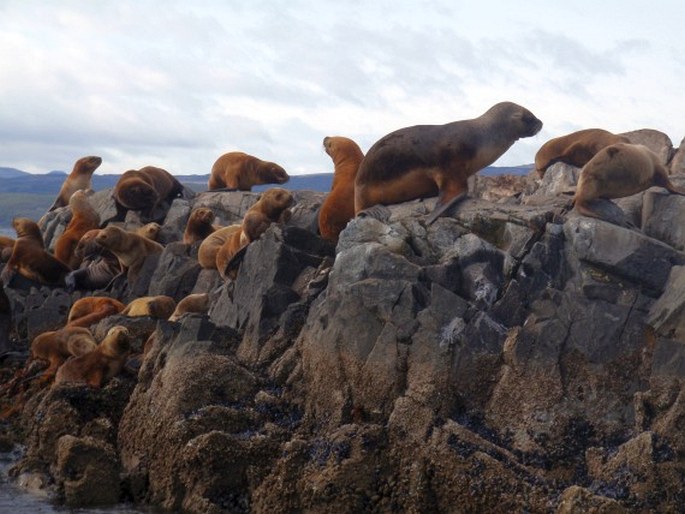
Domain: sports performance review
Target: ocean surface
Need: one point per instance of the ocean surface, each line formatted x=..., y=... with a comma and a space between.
x=15, y=500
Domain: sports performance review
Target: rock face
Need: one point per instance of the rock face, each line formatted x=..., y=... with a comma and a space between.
x=513, y=356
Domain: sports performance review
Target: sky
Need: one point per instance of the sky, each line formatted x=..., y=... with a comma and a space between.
x=177, y=84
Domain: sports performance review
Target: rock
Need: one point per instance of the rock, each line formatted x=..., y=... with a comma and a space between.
x=678, y=161
x=577, y=500
x=656, y=141
x=87, y=471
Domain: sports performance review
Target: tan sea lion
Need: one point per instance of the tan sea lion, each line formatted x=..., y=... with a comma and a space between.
x=145, y=189
x=29, y=257
x=160, y=306
x=272, y=206
x=79, y=178
x=425, y=160
x=338, y=207
x=206, y=253
x=83, y=219
x=193, y=303
x=98, y=366
x=576, y=148
x=130, y=249
x=89, y=310
x=240, y=171
x=199, y=225
x=150, y=230
x=620, y=170
x=57, y=346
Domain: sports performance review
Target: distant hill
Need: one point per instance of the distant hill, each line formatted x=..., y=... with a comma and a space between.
x=11, y=172
x=17, y=181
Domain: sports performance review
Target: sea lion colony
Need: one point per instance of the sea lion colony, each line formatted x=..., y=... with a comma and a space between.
x=410, y=163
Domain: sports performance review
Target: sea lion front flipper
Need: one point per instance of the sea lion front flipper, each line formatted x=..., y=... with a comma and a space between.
x=231, y=270
x=379, y=212
x=441, y=209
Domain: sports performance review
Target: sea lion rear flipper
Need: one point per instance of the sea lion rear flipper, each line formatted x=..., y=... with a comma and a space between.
x=441, y=210
x=233, y=264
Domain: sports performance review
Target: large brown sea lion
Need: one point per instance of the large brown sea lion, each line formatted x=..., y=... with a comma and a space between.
x=130, y=248
x=83, y=219
x=98, y=366
x=425, y=160
x=240, y=171
x=145, y=189
x=30, y=259
x=338, y=207
x=576, y=148
x=79, y=178
x=619, y=170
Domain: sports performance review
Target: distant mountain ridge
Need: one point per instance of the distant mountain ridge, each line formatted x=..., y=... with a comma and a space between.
x=13, y=180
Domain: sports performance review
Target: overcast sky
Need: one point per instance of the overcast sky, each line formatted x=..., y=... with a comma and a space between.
x=177, y=84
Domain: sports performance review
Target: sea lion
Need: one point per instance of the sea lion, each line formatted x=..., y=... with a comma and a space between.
x=425, y=160
x=79, y=178
x=576, y=148
x=6, y=246
x=131, y=249
x=30, y=259
x=338, y=207
x=206, y=253
x=150, y=230
x=272, y=206
x=98, y=265
x=199, y=225
x=620, y=170
x=193, y=303
x=98, y=366
x=91, y=309
x=240, y=171
x=57, y=346
x=160, y=306
x=83, y=219
x=144, y=190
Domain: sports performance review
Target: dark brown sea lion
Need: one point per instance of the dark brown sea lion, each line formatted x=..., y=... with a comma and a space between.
x=98, y=265
x=425, y=160
x=240, y=171
x=79, y=178
x=576, y=148
x=619, y=170
x=30, y=259
x=338, y=207
x=145, y=189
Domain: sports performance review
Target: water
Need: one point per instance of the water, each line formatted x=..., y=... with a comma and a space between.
x=17, y=500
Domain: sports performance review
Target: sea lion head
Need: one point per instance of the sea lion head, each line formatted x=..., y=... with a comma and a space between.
x=87, y=165
x=272, y=173
x=150, y=230
x=109, y=236
x=26, y=227
x=523, y=122
x=116, y=342
x=274, y=201
x=204, y=215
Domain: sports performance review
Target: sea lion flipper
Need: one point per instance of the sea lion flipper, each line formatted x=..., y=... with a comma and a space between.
x=442, y=209
x=233, y=264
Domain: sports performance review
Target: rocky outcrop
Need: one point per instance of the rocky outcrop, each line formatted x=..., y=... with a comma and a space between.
x=511, y=356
